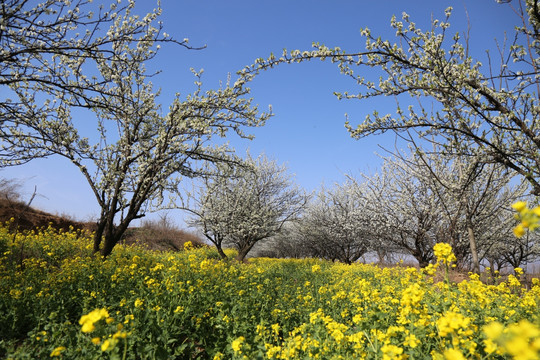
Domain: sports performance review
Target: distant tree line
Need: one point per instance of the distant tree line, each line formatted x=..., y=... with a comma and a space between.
x=412, y=203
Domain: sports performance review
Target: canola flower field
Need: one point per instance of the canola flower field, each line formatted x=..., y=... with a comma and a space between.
x=59, y=301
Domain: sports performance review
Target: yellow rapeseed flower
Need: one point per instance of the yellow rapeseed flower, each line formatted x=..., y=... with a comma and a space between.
x=520, y=206
x=451, y=322
x=88, y=321
x=519, y=230
x=237, y=344
x=106, y=344
x=411, y=341
x=58, y=351
x=453, y=354
x=391, y=352
x=443, y=252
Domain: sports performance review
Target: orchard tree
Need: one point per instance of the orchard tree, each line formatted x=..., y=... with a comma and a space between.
x=336, y=225
x=505, y=249
x=423, y=198
x=49, y=54
x=495, y=107
x=406, y=215
x=57, y=56
x=244, y=204
x=474, y=199
x=287, y=243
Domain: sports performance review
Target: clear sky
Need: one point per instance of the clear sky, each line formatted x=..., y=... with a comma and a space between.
x=307, y=132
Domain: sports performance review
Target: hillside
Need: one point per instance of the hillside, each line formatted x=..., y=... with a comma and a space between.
x=154, y=235
x=28, y=218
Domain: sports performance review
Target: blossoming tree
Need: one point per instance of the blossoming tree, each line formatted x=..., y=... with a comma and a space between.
x=336, y=226
x=424, y=198
x=244, y=204
x=57, y=56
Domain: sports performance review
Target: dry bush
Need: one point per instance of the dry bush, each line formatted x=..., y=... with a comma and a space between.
x=162, y=235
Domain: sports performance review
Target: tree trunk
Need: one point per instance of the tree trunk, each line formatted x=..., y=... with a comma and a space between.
x=98, y=236
x=221, y=253
x=109, y=243
x=422, y=262
x=242, y=253
x=474, y=252
x=114, y=234
x=217, y=240
x=109, y=235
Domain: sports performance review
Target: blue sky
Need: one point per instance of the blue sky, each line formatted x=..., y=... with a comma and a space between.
x=307, y=132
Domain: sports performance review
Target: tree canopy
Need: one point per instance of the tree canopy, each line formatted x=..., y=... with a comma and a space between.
x=494, y=106
x=58, y=56
x=244, y=204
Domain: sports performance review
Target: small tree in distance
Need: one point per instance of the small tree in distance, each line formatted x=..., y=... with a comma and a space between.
x=244, y=204
x=336, y=226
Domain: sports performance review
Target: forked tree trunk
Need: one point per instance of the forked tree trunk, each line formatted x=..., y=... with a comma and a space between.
x=109, y=235
x=98, y=236
x=221, y=252
x=109, y=243
x=474, y=251
x=242, y=253
x=217, y=240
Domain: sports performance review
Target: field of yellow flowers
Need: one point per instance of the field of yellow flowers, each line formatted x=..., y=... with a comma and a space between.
x=58, y=301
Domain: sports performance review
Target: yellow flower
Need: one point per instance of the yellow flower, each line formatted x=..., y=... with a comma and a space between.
x=431, y=269
x=411, y=341
x=58, y=351
x=451, y=322
x=494, y=330
x=490, y=346
x=525, y=329
x=453, y=354
x=275, y=329
x=273, y=351
x=237, y=344
x=88, y=327
x=96, y=340
x=138, y=302
x=88, y=321
x=519, y=230
x=520, y=206
x=519, y=348
x=444, y=253
x=513, y=281
x=106, y=344
x=120, y=335
x=391, y=352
